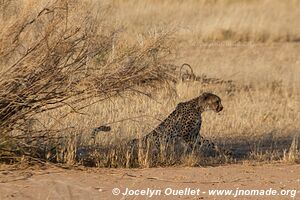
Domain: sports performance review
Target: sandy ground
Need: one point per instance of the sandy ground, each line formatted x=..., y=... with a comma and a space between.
x=195, y=183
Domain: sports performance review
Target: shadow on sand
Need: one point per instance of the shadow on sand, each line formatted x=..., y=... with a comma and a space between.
x=268, y=147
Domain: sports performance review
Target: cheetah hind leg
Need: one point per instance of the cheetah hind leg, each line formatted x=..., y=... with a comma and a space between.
x=148, y=152
x=175, y=149
x=190, y=148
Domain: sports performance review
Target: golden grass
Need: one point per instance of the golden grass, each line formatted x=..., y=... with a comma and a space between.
x=204, y=21
x=253, y=43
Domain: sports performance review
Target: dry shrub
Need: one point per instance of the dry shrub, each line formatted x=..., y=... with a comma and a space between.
x=58, y=57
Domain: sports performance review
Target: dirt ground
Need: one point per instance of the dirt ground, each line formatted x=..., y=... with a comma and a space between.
x=194, y=183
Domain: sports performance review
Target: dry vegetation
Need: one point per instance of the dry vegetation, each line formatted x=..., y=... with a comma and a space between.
x=65, y=71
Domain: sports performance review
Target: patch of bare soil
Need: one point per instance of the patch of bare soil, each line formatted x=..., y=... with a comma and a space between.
x=154, y=183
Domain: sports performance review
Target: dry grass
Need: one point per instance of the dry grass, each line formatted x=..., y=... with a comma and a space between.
x=253, y=43
x=207, y=21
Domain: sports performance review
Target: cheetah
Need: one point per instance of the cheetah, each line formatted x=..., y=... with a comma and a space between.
x=179, y=134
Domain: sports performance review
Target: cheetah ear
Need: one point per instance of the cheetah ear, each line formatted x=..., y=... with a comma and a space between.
x=205, y=95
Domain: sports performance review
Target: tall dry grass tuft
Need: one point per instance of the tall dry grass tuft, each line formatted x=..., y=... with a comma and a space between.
x=57, y=57
x=293, y=156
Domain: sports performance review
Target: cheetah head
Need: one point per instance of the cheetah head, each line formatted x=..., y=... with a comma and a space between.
x=209, y=101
